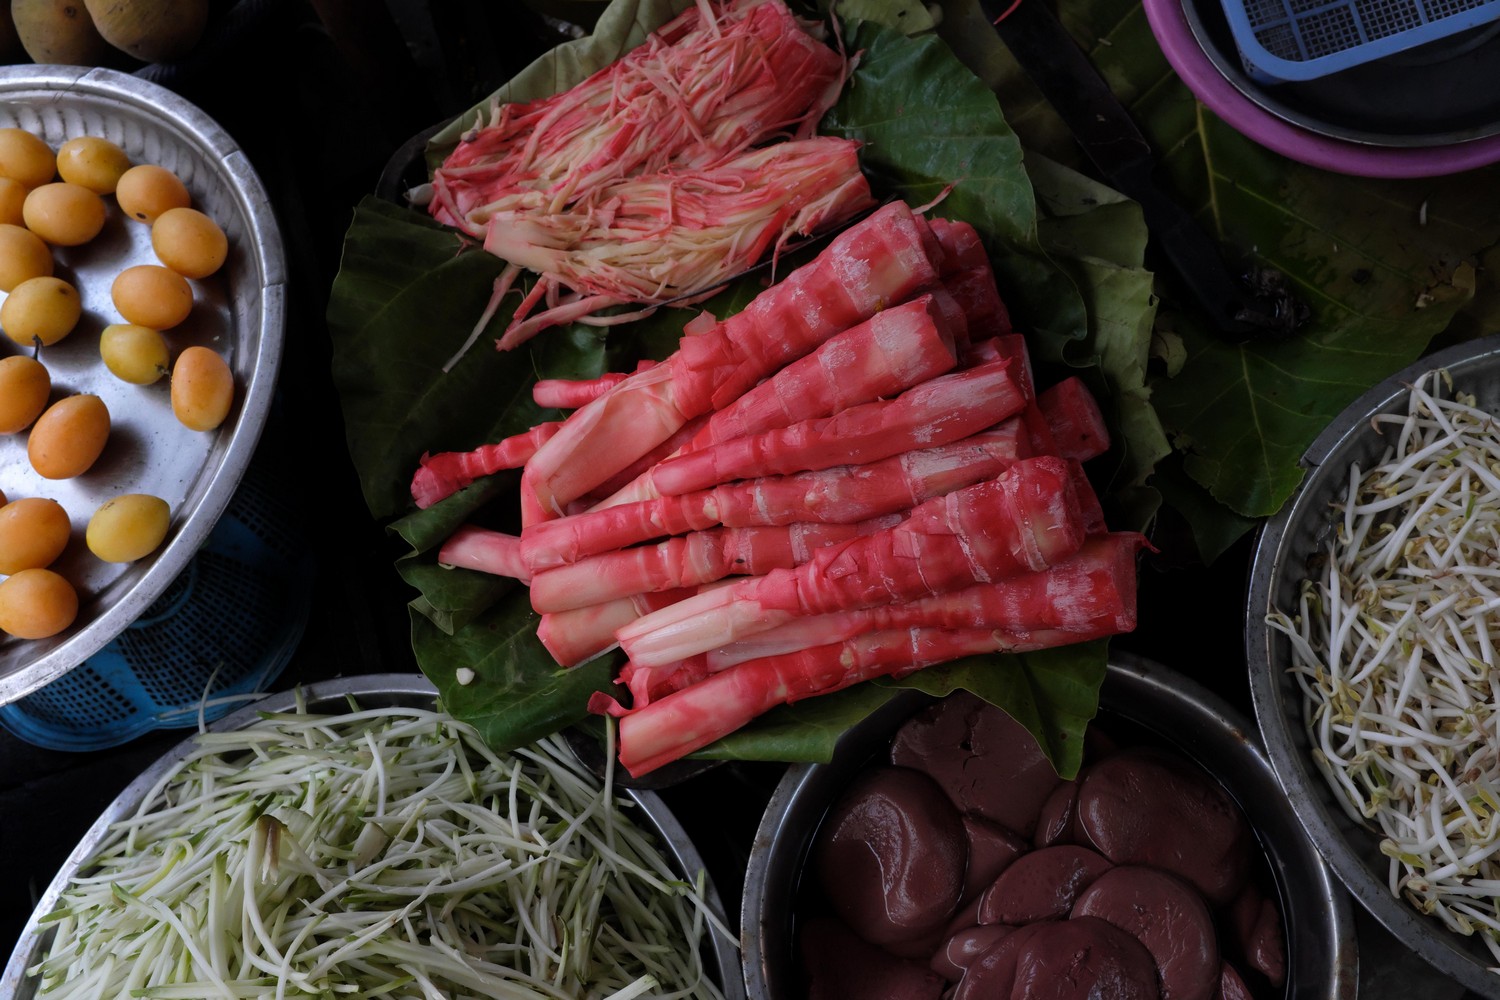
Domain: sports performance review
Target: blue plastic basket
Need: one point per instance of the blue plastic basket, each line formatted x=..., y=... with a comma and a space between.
x=1292, y=40
x=221, y=632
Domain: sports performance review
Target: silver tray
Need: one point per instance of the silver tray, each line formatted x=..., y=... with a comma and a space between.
x=240, y=312
x=371, y=691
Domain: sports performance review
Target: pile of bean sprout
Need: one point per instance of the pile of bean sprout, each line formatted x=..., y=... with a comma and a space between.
x=1394, y=650
x=381, y=853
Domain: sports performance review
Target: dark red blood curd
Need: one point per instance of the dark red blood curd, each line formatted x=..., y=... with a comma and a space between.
x=962, y=868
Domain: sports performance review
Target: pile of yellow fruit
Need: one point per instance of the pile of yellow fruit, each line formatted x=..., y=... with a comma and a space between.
x=58, y=199
x=99, y=32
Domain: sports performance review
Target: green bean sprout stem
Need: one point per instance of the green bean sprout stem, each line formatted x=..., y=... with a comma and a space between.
x=384, y=853
x=1393, y=648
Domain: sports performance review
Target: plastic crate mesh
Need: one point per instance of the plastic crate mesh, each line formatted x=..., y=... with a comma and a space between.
x=224, y=628
x=1305, y=39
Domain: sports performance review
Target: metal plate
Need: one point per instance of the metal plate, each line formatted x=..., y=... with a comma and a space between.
x=1322, y=959
x=1285, y=544
x=1421, y=98
x=371, y=691
x=239, y=312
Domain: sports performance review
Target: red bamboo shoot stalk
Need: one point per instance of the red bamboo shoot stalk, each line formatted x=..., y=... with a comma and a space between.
x=894, y=350
x=841, y=495
x=583, y=633
x=962, y=247
x=975, y=291
x=1091, y=592
x=570, y=394
x=881, y=260
x=443, y=474
x=487, y=551
x=941, y=410
x=687, y=561
x=1076, y=424
x=1089, y=595
x=1027, y=518
x=717, y=705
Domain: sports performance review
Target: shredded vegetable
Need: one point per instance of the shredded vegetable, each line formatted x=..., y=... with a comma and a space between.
x=381, y=853
x=1394, y=650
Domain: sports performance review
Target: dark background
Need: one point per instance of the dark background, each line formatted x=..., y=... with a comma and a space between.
x=322, y=96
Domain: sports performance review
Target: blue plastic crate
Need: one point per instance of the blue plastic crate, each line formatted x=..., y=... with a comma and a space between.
x=1294, y=40
x=220, y=633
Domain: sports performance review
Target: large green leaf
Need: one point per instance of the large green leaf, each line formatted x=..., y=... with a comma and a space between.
x=409, y=291
x=1386, y=266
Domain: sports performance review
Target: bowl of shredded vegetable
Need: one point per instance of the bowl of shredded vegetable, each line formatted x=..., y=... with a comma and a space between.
x=351, y=837
x=1201, y=829
x=1370, y=636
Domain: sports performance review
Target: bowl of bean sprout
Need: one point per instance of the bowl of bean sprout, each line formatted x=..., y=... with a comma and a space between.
x=1371, y=632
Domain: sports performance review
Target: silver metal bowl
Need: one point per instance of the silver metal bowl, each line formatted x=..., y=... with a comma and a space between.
x=1322, y=961
x=371, y=691
x=1285, y=544
x=239, y=312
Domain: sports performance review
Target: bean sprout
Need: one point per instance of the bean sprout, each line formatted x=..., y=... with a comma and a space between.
x=1393, y=650
x=378, y=854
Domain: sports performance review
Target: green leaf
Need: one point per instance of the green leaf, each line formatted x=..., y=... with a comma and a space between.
x=518, y=693
x=406, y=297
x=806, y=731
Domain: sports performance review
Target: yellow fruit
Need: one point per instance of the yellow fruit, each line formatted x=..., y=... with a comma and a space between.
x=24, y=388
x=128, y=527
x=68, y=438
x=151, y=295
x=146, y=191
x=12, y=197
x=202, y=389
x=36, y=603
x=132, y=353
x=25, y=158
x=63, y=214
x=23, y=255
x=92, y=162
x=150, y=30
x=58, y=31
x=189, y=242
x=33, y=533
x=40, y=309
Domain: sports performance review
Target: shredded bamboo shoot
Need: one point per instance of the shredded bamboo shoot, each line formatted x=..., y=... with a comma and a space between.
x=378, y=853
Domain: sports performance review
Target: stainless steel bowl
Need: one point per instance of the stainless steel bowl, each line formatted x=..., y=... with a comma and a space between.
x=371, y=691
x=1321, y=954
x=240, y=312
x=1285, y=544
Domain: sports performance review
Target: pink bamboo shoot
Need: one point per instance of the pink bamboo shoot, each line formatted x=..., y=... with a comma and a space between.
x=487, y=551
x=570, y=394
x=583, y=633
x=443, y=474
x=936, y=412
x=842, y=495
x=881, y=260
x=687, y=561
x=719, y=704
x=1077, y=425
x=1026, y=519
x=1092, y=593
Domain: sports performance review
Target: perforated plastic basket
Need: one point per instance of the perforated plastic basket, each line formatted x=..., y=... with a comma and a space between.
x=1289, y=40
x=224, y=628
